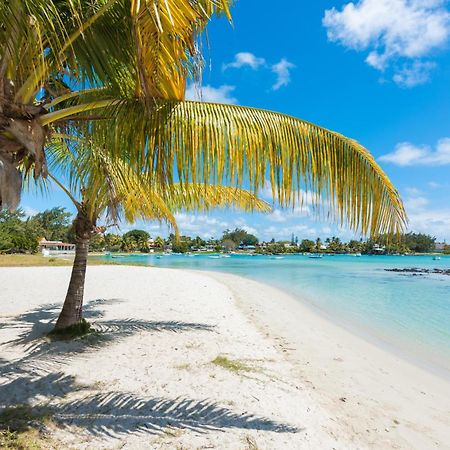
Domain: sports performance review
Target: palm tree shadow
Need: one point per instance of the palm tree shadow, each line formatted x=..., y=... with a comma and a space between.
x=38, y=322
x=34, y=325
x=37, y=378
x=115, y=413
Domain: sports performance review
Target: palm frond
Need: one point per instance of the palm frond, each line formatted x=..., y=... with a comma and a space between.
x=98, y=182
x=204, y=197
x=165, y=33
x=228, y=144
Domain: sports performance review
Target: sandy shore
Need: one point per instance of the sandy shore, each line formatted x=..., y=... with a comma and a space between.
x=190, y=360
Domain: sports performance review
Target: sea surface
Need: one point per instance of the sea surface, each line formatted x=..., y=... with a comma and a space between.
x=409, y=314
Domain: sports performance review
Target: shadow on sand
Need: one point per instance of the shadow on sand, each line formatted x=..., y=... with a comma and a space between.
x=38, y=380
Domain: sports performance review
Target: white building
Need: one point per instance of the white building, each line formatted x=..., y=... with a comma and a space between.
x=55, y=247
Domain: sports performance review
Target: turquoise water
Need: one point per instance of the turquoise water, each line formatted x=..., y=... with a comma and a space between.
x=410, y=314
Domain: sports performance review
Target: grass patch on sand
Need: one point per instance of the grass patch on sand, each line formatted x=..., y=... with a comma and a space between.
x=76, y=331
x=22, y=428
x=185, y=366
x=38, y=260
x=232, y=365
x=32, y=261
x=251, y=443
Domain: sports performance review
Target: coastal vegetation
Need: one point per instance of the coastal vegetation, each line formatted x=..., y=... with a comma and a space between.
x=20, y=234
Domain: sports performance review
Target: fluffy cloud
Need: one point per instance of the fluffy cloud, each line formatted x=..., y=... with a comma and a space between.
x=415, y=74
x=424, y=218
x=245, y=59
x=200, y=224
x=222, y=94
x=282, y=70
x=407, y=154
x=392, y=30
x=29, y=211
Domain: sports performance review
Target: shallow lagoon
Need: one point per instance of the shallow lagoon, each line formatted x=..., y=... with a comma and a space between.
x=408, y=313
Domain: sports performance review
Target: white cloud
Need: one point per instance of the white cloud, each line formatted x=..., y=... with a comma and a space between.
x=415, y=74
x=392, y=30
x=426, y=219
x=431, y=221
x=277, y=216
x=284, y=233
x=222, y=94
x=414, y=204
x=435, y=185
x=407, y=154
x=282, y=70
x=29, y=211
x=245, y=59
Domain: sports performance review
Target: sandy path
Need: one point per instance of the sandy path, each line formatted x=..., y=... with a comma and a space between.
x=148, y=380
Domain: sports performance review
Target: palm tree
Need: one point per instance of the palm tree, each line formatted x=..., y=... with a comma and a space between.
x=100, y=185
x=62, y=57
x=131, y=98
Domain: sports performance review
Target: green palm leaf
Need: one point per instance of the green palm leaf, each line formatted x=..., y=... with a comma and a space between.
x=216, y=143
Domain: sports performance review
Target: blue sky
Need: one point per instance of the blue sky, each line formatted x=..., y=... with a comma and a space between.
x=374, y=70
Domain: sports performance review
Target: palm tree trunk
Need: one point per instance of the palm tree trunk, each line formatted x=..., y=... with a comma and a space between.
x=72, y=311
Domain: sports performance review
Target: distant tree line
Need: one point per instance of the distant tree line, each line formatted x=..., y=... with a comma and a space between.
x=406, y=243
x=20, y=234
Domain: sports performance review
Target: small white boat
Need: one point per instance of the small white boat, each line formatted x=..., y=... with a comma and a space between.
x=357, y=255
x=315, y=256
x=277, y=257
x=436, y=258
x=214, y=256
x=117, y=256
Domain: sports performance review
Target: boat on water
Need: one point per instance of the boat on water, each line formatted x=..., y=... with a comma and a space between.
x=214, y=256
x=315, y=256
x=436, y=258
x=357, y=255
x=277, y=257
x=117, y=256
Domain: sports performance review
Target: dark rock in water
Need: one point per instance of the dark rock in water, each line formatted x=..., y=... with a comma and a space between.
x=415, y=271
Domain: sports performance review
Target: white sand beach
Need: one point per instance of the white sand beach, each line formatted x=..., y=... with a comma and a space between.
x=283, y=377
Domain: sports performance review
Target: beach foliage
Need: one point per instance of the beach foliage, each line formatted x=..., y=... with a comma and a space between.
x=79, y=329
x=53, y=224
x=20, y=234
x=17, y=235
x=240, y=237
x=20, y=428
